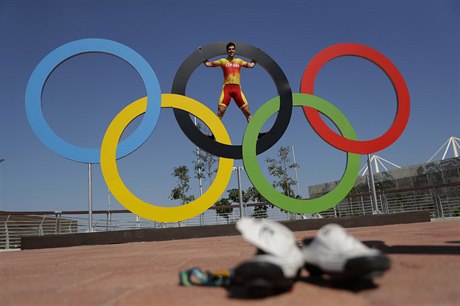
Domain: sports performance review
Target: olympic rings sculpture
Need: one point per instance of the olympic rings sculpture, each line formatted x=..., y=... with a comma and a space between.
x=150, y=106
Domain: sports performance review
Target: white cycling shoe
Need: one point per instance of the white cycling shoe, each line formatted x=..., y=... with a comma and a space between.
x=278, y=260
x=337, y=253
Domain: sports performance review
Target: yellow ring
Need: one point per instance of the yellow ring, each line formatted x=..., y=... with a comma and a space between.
x=150, y=211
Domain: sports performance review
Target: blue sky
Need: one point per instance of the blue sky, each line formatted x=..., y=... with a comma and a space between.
x=83, y=94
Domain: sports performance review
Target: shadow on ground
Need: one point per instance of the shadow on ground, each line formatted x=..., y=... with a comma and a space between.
x=415, y=249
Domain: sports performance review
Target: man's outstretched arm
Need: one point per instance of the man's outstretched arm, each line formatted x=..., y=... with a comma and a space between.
x=252, y=64
x=208, y=63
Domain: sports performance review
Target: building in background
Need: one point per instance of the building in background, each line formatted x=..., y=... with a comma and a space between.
x=433, y=186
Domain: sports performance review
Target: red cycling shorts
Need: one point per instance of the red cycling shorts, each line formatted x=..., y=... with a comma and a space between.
x=230, y=91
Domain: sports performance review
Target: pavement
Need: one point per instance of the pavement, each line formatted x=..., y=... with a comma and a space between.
x=425, y=271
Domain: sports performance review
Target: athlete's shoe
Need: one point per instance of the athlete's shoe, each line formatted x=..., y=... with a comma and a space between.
x=335, y=252
x=277, y=263
x=264, y=275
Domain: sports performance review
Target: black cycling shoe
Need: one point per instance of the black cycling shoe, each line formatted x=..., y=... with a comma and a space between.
x=261, y=278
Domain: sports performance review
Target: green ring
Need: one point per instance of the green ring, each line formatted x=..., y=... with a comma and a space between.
x=302, y=206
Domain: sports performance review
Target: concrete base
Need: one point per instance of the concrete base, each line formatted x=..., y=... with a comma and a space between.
x=143, y=235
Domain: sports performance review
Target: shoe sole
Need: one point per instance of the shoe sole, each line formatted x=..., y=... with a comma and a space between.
x=366, y=267
x=261, y=278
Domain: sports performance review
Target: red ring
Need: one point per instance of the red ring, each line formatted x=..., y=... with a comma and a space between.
x=402, y=96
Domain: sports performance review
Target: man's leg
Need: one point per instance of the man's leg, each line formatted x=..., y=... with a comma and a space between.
x=242, y=103
x=221, y=111
x=247, y=113
x=224, y=100
x=240, y=99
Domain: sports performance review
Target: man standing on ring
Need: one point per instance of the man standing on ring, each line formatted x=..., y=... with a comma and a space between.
x=231, y=67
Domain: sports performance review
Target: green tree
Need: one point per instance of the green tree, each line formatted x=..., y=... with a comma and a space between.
x=205, y=163
x=253, y=195
x=222, y=208
x=279, y=169
x=180, y=192
x=234, y=195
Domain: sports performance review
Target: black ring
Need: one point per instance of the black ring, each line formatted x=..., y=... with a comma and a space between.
x=282, y=86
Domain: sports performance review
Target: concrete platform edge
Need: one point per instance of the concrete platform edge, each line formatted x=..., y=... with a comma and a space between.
x=143, y=235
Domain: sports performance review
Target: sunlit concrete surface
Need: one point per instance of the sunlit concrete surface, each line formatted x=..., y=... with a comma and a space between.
x=425, y=271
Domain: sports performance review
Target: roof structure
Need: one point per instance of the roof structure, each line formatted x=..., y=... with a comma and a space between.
x=378, y=162
x=452, y=142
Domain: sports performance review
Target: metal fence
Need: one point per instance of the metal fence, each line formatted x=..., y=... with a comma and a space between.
x=442, y=201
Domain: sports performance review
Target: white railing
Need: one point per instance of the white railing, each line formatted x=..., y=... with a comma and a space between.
x=441, y=201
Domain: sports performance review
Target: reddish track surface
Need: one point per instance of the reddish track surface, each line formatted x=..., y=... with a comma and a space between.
x=425, y=271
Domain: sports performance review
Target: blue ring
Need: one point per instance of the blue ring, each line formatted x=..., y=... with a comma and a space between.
x=37, y=81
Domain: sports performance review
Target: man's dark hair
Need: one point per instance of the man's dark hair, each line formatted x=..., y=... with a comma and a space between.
x=230, y=44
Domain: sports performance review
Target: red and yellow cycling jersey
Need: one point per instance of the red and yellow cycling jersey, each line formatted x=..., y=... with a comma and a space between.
x=231, y=69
